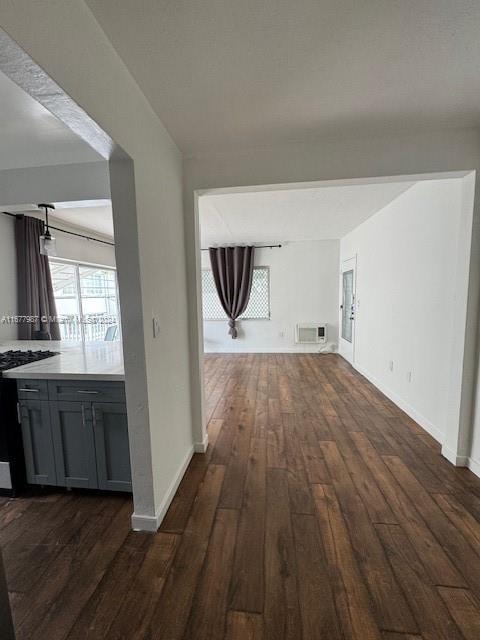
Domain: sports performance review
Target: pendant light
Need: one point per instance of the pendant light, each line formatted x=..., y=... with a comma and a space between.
x=48, y=245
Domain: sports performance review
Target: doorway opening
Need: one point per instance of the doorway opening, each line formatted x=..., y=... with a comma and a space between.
x=74, y=432
x=350, y=252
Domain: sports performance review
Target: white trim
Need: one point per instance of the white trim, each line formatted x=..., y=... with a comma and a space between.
x=151, y=523
x=313, y=349
x=461, y=461
x=339, y=182
x=82, y=264
x=474, y=466
x=201, y=447
x=463, y=366
x=5, y=476
x=429, y=427
x=144, y=523
x=451, y=456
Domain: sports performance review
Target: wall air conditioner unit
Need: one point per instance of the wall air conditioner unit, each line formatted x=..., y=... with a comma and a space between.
x=310, y=333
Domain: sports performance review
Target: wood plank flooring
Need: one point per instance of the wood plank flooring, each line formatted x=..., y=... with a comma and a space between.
x=320, y=511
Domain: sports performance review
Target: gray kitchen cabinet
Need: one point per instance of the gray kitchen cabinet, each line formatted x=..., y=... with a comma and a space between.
x=32, y=390
x=110, y=430
x=84, y=391
x=75, y=433
x=37, y=441
x=73, y=443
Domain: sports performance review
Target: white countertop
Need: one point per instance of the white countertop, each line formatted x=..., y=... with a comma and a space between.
x=75, y=360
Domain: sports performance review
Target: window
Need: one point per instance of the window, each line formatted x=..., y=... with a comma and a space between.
x=87, y=301
x=258, y=307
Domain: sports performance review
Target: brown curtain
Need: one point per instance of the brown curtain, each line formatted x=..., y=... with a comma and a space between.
x=232, y=269
x=34, y=282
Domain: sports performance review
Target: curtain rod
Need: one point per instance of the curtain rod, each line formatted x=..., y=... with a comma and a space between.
x=71, y=233
x=256, y=246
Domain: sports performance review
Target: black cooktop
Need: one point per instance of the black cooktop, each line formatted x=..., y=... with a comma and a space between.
x=12, y=359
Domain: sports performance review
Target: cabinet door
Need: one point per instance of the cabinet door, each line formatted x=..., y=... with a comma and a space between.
x=37, y=442
x=74, y=445
x=111, y=443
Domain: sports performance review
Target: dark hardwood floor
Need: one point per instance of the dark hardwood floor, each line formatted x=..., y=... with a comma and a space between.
x=320, y=511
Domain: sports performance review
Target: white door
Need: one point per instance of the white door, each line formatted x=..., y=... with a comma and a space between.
x=347, y=309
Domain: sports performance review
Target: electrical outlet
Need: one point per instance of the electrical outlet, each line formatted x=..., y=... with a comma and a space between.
x=409, y=376
x=390, y=365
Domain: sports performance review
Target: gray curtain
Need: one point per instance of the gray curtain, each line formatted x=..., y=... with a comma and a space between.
x=232, y=269
x=34, y=281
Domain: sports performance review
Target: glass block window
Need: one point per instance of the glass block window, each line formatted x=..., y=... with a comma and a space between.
x=258, y=307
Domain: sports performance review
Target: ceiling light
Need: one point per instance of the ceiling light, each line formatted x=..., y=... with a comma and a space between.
x=48, y=246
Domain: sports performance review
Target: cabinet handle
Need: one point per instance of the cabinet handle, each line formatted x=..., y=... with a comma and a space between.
x=30, y=390
x=87, y=392
x=19, y=415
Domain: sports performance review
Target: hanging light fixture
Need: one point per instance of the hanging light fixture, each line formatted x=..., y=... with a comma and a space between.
x=48, y=246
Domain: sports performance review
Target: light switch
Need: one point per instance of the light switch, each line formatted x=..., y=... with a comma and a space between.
x=156, y=327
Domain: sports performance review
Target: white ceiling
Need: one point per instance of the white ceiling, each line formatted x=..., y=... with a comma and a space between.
x=221, y=73
x=266, y=217
x=30, y=136
x=94, y=219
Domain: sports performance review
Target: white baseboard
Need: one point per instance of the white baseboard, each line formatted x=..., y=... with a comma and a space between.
x=5, y=477
x=144, y=523
x=302, y=349
x=451, y=456
x=461, y=461
x=474, y=466
x=151, y=523
x=201, y=447
x=429, y=427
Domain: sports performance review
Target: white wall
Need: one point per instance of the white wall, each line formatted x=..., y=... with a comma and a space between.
x=81, y=250
x=406, y=258
x=303, y=288
x=59, y=183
